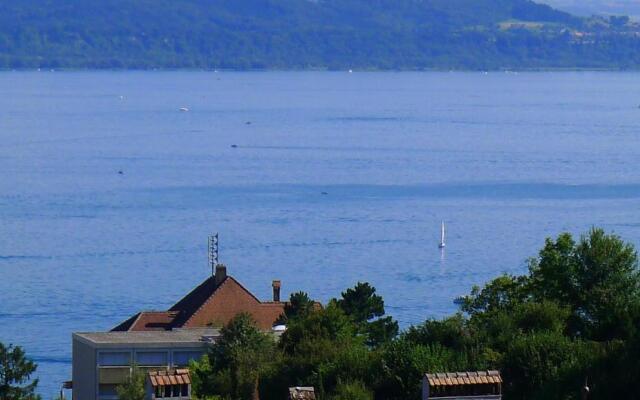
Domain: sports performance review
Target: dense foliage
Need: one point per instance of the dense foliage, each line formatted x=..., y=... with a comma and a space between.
x=236, y=363
x=574, y=318
x=293, y=34
x=15, y=374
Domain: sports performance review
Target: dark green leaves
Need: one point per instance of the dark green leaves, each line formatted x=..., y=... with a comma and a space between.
x=236, y=362
x=15, y=373
x=362, y=305
x=299, y=305
x=597, y=279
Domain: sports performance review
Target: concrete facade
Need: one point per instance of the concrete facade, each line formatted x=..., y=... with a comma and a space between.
x=102, y=360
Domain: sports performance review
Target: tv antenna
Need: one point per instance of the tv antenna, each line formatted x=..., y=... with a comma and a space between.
x=213, y=252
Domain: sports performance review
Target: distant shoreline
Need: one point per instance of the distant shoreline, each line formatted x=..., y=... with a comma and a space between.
x=354, y=70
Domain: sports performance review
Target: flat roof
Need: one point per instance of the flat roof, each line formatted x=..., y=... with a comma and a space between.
x=177, y=337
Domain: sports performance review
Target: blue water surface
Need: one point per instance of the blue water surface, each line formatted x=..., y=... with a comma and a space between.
x=334, y=178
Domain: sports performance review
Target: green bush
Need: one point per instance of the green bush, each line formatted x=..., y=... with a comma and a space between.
x=352, y=391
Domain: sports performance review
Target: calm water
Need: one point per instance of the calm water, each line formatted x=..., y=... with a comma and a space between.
x=504, y=159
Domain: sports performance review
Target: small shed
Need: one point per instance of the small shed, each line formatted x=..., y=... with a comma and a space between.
x=169, y=384
x=480, y=385
x=302, y=393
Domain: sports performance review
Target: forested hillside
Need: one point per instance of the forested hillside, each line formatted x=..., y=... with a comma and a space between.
x=598, y=7
x=298, y=34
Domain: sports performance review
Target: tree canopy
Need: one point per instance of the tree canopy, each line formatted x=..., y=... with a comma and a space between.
x=236, y=362
x=15, y=374
x=366, y=309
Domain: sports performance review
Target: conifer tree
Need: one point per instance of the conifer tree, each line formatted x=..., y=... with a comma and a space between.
x=15, y=374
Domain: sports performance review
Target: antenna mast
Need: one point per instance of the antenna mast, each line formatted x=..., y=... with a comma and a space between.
x=213, y=252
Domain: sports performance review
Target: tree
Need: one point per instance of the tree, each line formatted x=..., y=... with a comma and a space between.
x=450, y=332
x=362, y=304
x=133, y=388
x=323, y=347
x=15, y=373
x=547, y=365
x=608, y=285
x=299, y=305
x=553, y=272
x=403, y=363
x=597, y=278
x=355, y=390
x=206, y=380
x=499, y=294
x=237, y=361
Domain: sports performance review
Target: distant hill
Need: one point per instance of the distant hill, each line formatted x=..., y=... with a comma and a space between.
x=598, y=7
x=299, y=34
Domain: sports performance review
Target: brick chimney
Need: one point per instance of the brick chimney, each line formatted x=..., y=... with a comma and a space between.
x=276, y=290
x=221, y=274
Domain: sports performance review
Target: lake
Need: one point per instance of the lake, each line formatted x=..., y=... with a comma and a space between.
x=321, y=179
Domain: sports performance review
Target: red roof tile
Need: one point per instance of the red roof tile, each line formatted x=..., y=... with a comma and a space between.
x=464, y=378
x=206, y=305
x=165, y=378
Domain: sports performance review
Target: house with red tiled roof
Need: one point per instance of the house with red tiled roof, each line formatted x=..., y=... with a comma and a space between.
x=211, y=304
x=165, y=340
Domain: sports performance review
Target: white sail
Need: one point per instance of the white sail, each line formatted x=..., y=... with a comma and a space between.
x=442, y=243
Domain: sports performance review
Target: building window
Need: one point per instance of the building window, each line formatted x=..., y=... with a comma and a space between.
x=107, y=390
x=172, y=391
x=182, y=358
x=116, y=359
x=151, y=358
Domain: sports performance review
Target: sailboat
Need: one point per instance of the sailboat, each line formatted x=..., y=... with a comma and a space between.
x=442, y=243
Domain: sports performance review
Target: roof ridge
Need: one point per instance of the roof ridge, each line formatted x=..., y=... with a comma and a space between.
x=208, y=299
x=226, y=279
x=194, y=290
x=127, y=323
x=135, y=321
x=157, y=312
x=245, y=289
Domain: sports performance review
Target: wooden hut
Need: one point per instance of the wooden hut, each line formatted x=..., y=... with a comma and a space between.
x=479, y=385
x=168, y=384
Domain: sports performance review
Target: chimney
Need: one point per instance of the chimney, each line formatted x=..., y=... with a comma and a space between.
x=221, y=274
x=276, y=290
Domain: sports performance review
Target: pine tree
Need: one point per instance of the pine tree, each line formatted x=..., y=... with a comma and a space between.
x=15, y=373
